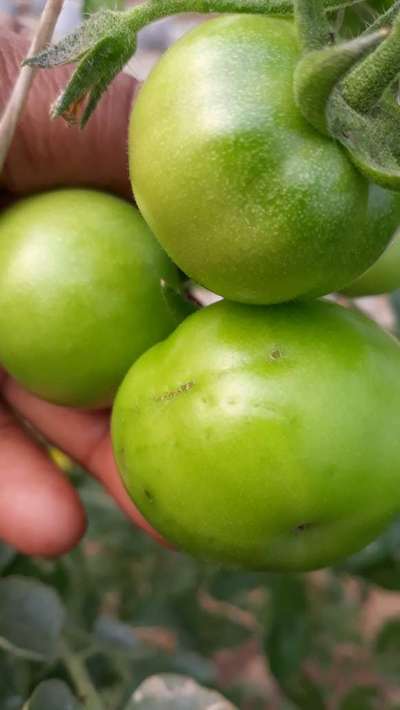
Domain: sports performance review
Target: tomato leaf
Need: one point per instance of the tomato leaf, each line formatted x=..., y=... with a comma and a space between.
x=31, y=618
x=361, y=698
x=288, y=642
x=52, y=695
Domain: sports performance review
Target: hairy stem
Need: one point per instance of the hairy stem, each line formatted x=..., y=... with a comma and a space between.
x=313, y=27
x=9, y=120
x=385, y=20
x=365, y=84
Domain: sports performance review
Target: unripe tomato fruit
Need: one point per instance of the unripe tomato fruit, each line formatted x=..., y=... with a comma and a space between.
x=381, y=277
x=81, y=294
x=245, y=196
x=264, y=437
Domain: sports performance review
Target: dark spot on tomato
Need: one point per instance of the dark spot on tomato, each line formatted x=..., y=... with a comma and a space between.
x=149, y=495
x=303, y=527
x=276, y=354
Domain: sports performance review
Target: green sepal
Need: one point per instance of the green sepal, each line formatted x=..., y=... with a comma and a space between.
x=319, y=71
x=101, y=47
x=372, y=140
x=106, y=41
x=178, y=301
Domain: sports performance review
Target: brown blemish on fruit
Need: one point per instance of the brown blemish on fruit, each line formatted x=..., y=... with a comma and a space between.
x=276, y=354
x=302, y=527
x=175, y=393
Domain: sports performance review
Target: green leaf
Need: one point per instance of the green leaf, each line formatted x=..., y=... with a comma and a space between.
x=7, y=555
x=31, y=618
x=179, y=306
x=361, y=698
x=174, y=692
x=52, y=695
x=387, y=648
x=90, y=6
x=15, y=682
x=379, y=562
x=288, y=642
x=101, y=47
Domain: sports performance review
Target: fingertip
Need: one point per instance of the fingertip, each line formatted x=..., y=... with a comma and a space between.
x=40, y=512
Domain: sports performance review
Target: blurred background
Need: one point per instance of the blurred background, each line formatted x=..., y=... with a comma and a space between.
x=120, y=608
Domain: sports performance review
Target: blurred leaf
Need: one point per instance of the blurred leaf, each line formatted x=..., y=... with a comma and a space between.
x=14, y=682
x=51, y=572
x=7, y=554
x=288, y=642
x=361, y=698
x=379, y=562
x=173, y=692
x=52, y=695
x=90, y=6
x=232, y=584
x=387, y=647
x=115, y=632
x=31, y=618
x=209, y=629
x=395, y=300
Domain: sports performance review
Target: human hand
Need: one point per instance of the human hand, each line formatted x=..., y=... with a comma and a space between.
x=40, y=512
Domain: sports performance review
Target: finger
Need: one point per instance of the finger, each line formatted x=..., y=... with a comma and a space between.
x=85, y=436
x=47, y=153
x=40, y=512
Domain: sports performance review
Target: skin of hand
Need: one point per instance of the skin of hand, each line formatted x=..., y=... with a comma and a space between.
x=40, y=512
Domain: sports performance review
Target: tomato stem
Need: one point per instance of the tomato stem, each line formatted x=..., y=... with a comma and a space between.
x=313, y=27
x=319, y=71
x=365, y=84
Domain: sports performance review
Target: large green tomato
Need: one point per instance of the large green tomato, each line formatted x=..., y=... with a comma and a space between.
x=82, y=294
x=382, y=277
x=265, y=437
x=244, y=195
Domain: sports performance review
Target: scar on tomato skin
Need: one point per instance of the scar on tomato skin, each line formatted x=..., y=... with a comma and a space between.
x=175, y=393
x=276, y=354
x=149, y=495
x=303, y=527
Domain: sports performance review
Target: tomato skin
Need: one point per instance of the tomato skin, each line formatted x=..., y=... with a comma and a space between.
x=381, y=277
x=264, y=437
x=244, y=195
x=80, y=294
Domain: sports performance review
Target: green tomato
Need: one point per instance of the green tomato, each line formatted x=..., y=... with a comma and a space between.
x=81, y=294
x=382, y=277
x=246, y=197
x=265, y=437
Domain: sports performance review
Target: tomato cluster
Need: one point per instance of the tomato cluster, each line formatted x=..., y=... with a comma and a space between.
x=263, y=430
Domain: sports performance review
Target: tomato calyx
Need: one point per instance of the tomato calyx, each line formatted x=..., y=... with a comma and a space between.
x=106, y=41
x=347, y=90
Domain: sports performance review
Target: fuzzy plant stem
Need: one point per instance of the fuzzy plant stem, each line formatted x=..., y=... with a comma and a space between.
x=15, y=105
x=365, y=84
x=313, y=28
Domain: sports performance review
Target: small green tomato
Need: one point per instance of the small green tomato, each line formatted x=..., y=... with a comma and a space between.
x=82, y=294
x=381, y=277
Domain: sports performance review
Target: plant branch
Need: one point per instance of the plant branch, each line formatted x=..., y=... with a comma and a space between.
x=313, y=27
x=77, y=669
x=20, y=92
x=366, y=83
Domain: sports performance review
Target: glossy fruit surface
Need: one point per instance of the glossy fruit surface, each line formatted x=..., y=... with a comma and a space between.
x=264, y=437
x=381, y=277
x=80, y=294
x=245, y=196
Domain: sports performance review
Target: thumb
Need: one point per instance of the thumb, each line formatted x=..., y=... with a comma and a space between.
x=46, y=153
